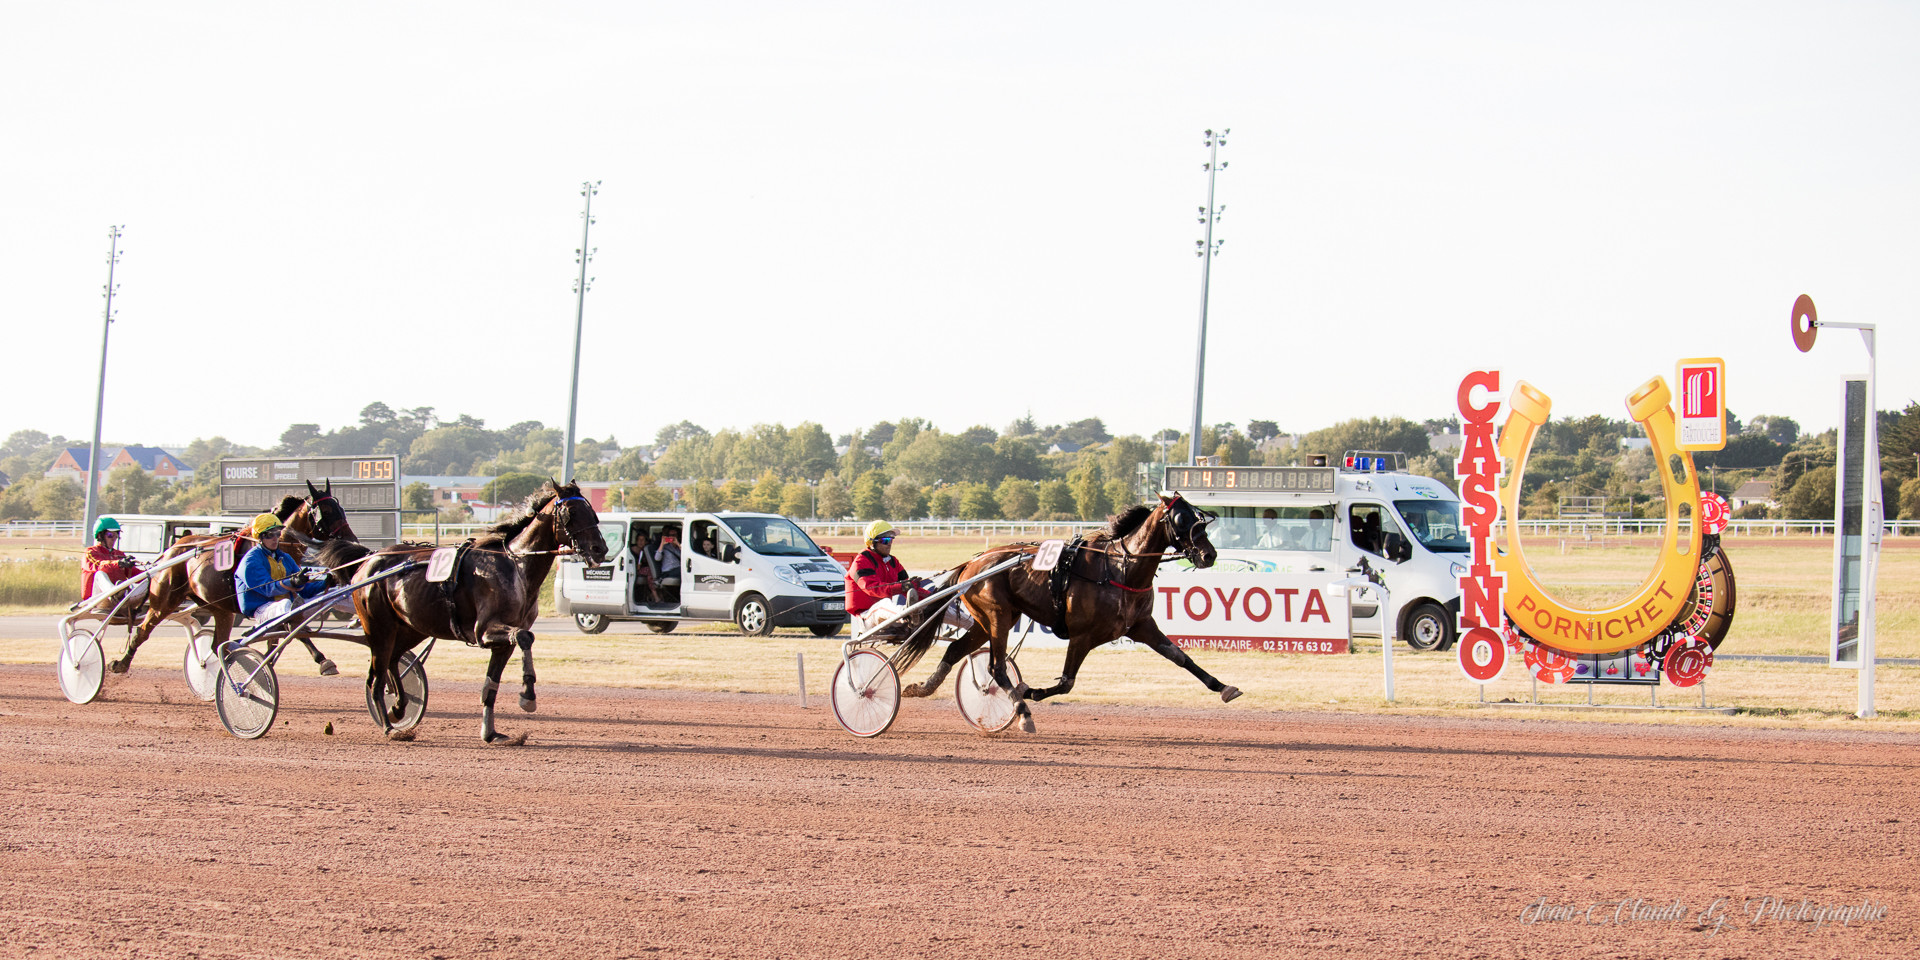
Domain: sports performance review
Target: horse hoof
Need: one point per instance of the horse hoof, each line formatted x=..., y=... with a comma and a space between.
x=118, y=666
x=502, y=740
x=1228, y=693
x=912, y=690
x=329, y=669
x=1026, y=723
x=401, y=736
x=527, y=704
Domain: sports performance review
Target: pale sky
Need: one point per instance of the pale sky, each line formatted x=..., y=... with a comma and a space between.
x=846, y=212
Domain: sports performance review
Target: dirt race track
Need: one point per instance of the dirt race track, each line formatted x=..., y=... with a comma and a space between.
x=638, y=824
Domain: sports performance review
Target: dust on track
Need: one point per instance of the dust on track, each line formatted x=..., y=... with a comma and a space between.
x=641, y=823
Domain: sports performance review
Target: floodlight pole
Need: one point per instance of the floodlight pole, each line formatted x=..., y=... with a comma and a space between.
x=1206, y=249
x=100, y=398
x=582, y=256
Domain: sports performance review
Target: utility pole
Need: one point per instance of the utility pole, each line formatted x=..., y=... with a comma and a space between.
x=582, y=256
x=100, y=398
x=1206, y=250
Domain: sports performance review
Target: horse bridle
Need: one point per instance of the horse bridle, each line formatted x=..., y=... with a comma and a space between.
x=328, y=534
x=1182, y=542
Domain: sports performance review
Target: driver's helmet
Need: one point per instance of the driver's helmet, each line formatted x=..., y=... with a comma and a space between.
x=104, y=526
x=878, y=529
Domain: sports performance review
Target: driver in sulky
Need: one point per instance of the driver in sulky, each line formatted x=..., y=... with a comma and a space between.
x=879, y=587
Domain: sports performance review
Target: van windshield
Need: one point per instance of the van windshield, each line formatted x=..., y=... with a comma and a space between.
x=1295, y=528
x=772, y=536
x=1435, y=523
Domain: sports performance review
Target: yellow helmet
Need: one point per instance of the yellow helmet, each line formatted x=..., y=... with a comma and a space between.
x=264, y=524
x=877, y=528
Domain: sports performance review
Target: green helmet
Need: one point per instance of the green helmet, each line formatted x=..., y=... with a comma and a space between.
x=103, y=525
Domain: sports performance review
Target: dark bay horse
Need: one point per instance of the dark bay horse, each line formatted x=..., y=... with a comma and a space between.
x=1109, y=595
x=312, y=520
x=492, y=601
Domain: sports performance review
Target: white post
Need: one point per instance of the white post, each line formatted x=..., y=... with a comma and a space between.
x=1871, y=524
x=800, y=664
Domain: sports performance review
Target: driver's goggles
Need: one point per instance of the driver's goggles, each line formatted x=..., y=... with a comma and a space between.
x=884, y=539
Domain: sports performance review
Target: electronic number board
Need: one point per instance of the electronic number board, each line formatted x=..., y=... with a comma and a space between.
x=368, y=488
x=1251, y=479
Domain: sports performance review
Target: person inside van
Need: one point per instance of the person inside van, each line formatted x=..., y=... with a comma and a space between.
x=1270, y=537
x=1319, y=531
x=662, y=562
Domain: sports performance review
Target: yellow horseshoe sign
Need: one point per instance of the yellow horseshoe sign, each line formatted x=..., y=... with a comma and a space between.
x=1664, y=596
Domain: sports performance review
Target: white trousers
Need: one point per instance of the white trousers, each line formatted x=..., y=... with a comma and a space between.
x=102, y=583
x=954, y=618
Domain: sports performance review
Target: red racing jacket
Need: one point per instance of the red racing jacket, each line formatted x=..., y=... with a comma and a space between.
x=103, y=559
x=872, y=578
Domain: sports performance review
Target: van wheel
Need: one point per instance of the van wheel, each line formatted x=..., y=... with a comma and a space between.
x=752, y=615
x=1429, y=628
x=591, y=622
x=661, y=626
x=825, y=629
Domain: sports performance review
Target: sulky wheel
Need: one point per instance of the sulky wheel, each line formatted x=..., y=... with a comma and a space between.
x=984, y=704
x=246, y=693
x=82, y=668
x=866, y=694
x=201, y=666
x=413, y=680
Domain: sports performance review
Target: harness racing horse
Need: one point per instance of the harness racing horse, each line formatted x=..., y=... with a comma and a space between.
x=1108, y=595
x=316, y=519
x=490, y=599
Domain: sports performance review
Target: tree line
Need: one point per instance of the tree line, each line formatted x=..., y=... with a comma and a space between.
x=909, y=468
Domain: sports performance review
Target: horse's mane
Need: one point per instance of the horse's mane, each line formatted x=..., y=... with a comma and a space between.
x=1121, y=524
x=501, y=533
x=286, y=508
x=504, y=532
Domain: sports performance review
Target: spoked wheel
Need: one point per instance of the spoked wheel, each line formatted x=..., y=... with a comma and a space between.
x=247, y=693
x=200, y=665
x=866, y=694
x=82, y=667
x=413, y=680
x=984, y=704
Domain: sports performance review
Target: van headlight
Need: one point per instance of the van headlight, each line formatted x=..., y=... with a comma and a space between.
x=785, y=572
x=1458, y=569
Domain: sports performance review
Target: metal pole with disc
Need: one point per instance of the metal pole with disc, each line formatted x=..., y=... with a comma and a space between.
x=1859, y=514
x=100, y=398
x=1207, y=248
x=582, y=256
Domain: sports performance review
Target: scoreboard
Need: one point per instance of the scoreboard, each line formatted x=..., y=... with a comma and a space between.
x=1251, y=479
x=368, y=488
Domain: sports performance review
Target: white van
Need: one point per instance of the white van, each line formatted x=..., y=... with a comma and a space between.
x=144, y=536
x=1309, y=525
x=763, y=572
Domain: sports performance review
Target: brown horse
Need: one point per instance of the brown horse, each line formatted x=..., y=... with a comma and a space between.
x=315, y=519
x=490, y=600
x=1108, y=595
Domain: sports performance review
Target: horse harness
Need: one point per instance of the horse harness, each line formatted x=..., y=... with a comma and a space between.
x=1061, y=578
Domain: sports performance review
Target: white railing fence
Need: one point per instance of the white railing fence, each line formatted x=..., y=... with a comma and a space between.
x=1030, y=529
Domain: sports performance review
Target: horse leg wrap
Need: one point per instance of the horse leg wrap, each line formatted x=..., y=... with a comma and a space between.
x=525, y=641
x=488, y=690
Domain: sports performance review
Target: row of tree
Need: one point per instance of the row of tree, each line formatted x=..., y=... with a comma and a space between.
x=910, y=468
